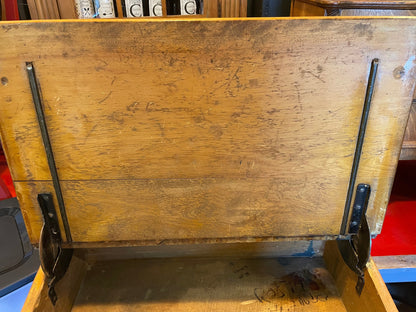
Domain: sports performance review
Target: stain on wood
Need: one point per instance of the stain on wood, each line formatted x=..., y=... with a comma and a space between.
x=209, y=285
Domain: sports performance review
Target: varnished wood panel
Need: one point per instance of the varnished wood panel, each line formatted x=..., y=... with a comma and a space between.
x=205, y=128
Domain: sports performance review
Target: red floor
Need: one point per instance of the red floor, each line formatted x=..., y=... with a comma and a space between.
x=398, y=236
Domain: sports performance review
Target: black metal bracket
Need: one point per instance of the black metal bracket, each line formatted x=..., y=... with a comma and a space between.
x=359, y=209
x=356, y=250
x=37, y=100
x=360, y=142
x=53, y=258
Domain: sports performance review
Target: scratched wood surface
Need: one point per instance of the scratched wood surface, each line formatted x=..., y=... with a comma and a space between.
x=212, y=283
x=298, y=284
x=204, y=129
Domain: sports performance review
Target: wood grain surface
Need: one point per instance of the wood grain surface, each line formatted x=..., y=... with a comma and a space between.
x=188, y=129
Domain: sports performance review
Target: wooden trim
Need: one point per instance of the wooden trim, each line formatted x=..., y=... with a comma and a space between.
x=375, y=296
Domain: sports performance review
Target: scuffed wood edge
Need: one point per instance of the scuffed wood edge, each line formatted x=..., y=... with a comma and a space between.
x=66, y=289
x=375, y=295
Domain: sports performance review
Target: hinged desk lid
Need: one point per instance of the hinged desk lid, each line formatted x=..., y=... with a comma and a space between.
x=204, y=130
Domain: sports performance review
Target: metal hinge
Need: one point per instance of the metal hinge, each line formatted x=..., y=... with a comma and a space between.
x=53, y=258
x=356, y=250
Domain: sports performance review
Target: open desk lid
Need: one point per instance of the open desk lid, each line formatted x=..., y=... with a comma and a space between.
x=203, y=130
